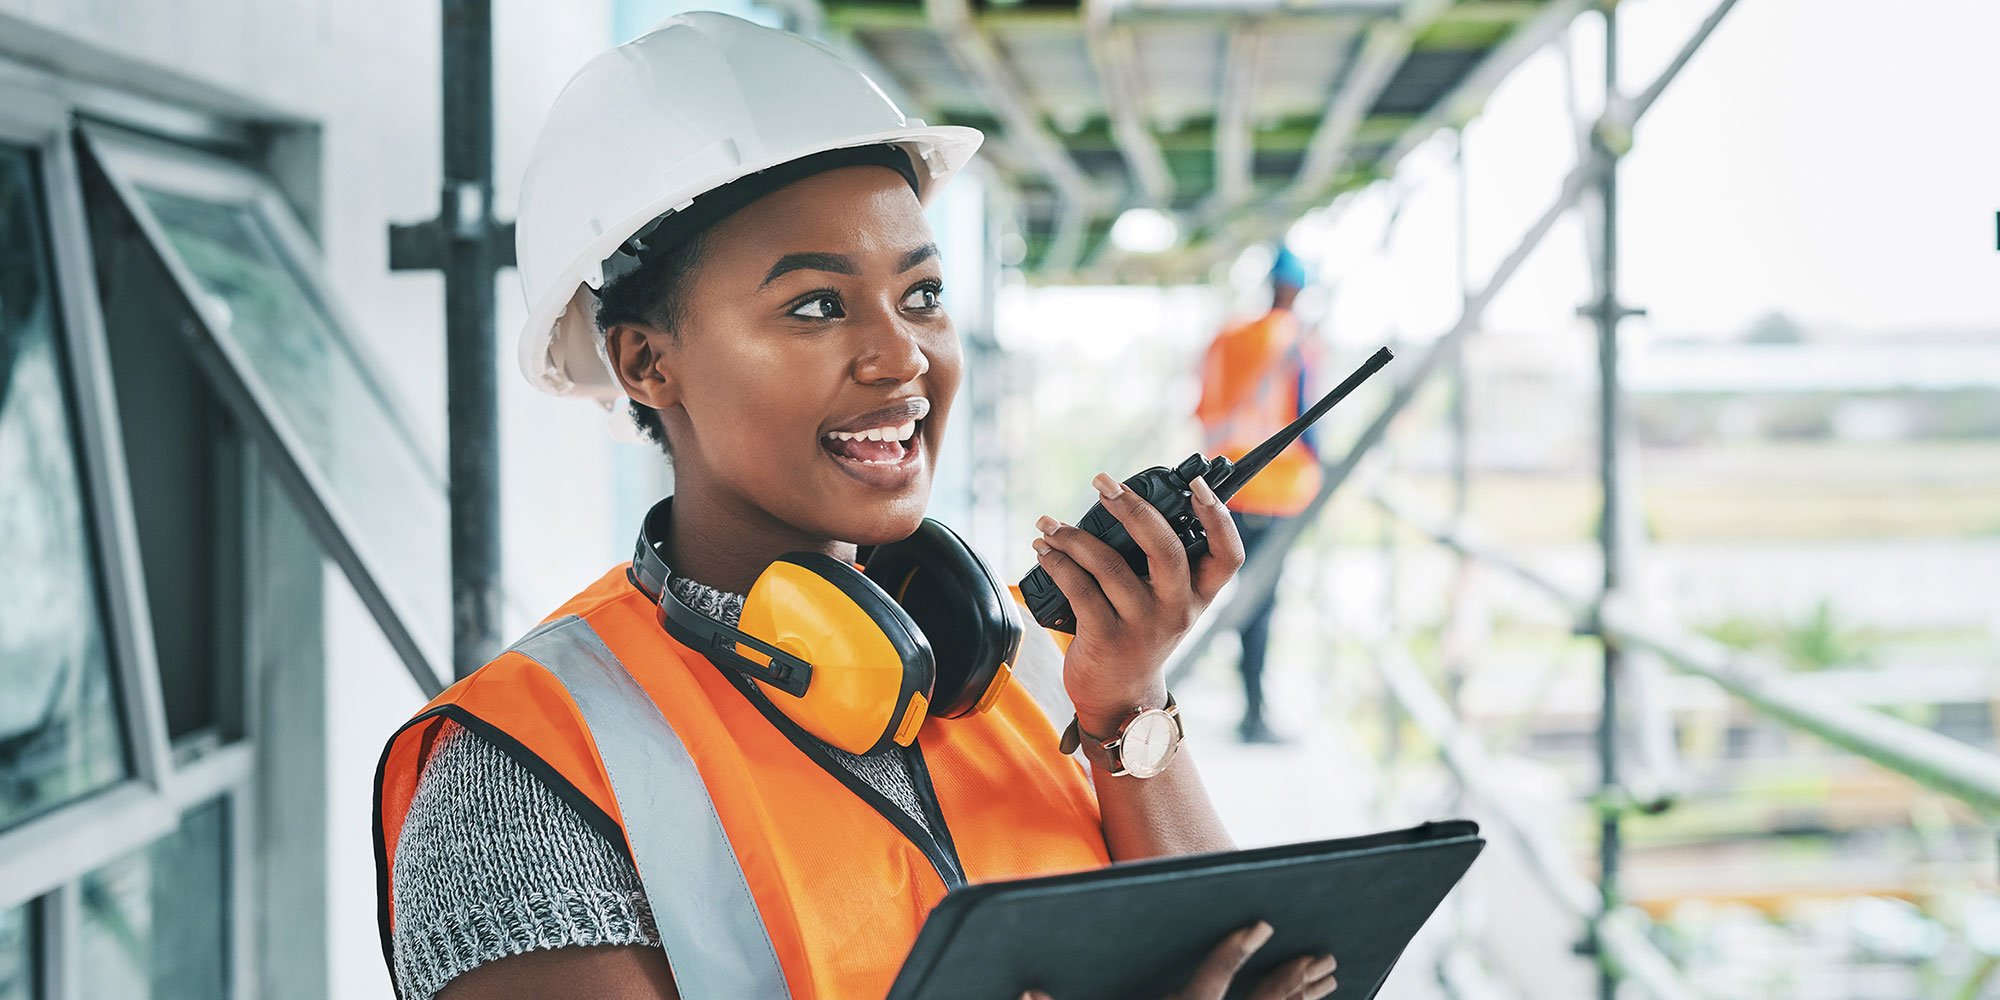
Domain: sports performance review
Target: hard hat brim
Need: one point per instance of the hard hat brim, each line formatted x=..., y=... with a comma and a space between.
x=558, y=351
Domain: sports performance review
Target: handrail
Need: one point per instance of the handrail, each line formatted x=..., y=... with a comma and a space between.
x=1933, y=760
x=1929, y=758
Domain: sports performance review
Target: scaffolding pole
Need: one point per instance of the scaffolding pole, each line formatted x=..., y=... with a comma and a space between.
x=470, y=246
x=1607, y=311
x=1461, y=436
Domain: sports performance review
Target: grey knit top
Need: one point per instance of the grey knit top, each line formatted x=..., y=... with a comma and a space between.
x=492, y=863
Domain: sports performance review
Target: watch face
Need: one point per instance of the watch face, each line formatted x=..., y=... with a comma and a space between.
x=1148, y=744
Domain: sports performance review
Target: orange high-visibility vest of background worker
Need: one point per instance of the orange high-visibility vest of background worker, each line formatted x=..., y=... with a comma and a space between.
x=1253, y=382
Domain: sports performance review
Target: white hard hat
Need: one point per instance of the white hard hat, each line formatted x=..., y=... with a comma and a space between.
x=642, y=130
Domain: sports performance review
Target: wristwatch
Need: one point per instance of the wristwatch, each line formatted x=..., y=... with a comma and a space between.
x=1144, y=744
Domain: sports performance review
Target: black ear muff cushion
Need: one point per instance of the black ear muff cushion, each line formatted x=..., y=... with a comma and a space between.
x=962, y=608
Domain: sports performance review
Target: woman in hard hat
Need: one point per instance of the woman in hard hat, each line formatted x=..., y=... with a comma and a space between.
x=750, y=762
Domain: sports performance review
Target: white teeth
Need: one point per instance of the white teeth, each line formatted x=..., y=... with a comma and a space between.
x=904, y=432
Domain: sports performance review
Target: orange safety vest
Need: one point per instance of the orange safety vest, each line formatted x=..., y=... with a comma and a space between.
x=767, y=871
x=1251, y=386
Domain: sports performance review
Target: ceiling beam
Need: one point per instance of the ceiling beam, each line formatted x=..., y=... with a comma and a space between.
x=1212, y=11
x=1463, y=103
x=1115, y=56
x=994, y=79
x=1234, y=143
x=1382, y=52
x=1275, y=14
x=1465, y=100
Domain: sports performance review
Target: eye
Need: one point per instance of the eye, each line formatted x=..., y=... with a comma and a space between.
x=924, y=297
x=819, y=305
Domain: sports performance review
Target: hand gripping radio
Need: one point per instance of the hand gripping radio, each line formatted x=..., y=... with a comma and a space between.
x=1168, y=491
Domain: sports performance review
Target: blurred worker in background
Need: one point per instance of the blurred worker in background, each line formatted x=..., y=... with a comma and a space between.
x=1253, y=382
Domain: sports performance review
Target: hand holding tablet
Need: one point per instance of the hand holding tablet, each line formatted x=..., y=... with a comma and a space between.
x=1150, y=929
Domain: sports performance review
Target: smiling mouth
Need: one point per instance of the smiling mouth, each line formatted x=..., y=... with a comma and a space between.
x=876, y=446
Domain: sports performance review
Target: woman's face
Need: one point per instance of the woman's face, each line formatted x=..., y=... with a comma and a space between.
x=815, y=365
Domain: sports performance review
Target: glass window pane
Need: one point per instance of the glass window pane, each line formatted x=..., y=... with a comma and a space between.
x=17, y=954
x=59, y=736
x=254, y=298
x=156, y=923
x=183, y=455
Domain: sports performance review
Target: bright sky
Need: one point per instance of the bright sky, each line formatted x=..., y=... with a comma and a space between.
x=1836, y=161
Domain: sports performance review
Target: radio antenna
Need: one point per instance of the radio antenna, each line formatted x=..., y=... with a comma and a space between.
x=1257, y=458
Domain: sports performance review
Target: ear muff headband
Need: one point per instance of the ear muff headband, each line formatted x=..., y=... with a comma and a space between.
x=713, y=639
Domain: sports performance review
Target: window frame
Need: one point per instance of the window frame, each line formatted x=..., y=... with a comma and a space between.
x=224, y=776
x=126, y=160
x=44, y=859
x=42, y=854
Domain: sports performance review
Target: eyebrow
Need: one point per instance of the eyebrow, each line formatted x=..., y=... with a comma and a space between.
x=839, y=263
x=836, y=263
x=917, y=256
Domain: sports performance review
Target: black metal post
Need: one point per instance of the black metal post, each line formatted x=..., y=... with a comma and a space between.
x=470, y=246
x=1608, y=313
x=472, y=403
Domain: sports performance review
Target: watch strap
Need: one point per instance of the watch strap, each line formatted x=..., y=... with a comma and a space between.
x=1073, y=734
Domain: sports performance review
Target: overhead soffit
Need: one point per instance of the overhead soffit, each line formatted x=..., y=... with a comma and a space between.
x=1213, y=115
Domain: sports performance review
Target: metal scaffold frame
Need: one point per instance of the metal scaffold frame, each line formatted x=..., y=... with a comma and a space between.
x=1616, y=934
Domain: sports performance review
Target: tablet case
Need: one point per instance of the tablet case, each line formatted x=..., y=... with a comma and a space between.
x=1139, y=930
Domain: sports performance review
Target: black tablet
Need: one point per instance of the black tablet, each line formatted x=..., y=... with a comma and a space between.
x=1138, y=930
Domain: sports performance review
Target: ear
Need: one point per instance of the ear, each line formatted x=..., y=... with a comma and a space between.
x=642, y=356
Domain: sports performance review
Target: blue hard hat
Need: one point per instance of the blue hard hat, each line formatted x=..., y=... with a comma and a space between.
x=1288, y=269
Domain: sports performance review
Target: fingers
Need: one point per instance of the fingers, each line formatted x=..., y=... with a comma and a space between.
x=1086, y=598
x=1307, y=977
x=1319, y=978
x=1128, y=594
x=1166, y=558
x=1316, y=989
x=1211, y=980
x=1225, y=546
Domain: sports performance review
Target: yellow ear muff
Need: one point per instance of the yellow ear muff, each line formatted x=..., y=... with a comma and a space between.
x=872, y=669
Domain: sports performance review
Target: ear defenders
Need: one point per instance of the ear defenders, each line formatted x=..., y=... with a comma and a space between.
x=858, y=658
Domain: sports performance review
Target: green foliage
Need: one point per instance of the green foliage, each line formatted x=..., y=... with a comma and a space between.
x=1816, y=642
x=1739, y=632
x=1819, y=642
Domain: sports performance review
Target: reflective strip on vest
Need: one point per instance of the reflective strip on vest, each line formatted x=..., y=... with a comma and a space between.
x=715, y=942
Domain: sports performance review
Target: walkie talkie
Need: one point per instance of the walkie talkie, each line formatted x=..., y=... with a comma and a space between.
x=1168, y=491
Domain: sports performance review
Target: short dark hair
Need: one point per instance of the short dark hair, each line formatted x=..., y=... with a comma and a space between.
x=655, y=294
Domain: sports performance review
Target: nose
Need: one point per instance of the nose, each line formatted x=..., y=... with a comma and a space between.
x=891, y=353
